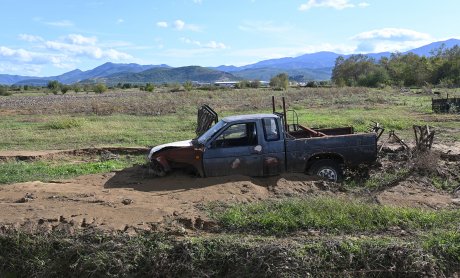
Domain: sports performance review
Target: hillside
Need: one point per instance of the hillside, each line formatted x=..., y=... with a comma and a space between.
x=167, y=75
x=298, y=74
x=78, y=75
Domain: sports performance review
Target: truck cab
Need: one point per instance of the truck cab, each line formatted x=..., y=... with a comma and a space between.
x=250, y=145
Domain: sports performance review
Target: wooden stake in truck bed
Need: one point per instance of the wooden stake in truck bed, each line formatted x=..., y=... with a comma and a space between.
x=264, y=145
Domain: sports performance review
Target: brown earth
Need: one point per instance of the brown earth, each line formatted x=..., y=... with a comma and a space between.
x=124, y=199
x=131, y=200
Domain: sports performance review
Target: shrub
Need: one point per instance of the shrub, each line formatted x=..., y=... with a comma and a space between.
x=64, y=89
x=149, y=87
x=4, y=91
x=188, y=86
x=100, y=88
x=280, y=82
x=65, y=123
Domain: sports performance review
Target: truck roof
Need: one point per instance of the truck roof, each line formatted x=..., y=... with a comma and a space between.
x=248, y=117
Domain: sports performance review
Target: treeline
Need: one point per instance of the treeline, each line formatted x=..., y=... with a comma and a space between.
x=442, y=68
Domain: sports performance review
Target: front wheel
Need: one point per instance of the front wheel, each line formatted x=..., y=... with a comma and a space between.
x=328, y=169
x=157, y=169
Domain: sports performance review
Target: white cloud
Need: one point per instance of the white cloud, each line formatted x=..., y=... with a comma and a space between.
x=63, y=53
x=86, y=50
x=335, y=4
x=30, y=38
x=60, y=23
x=179, y=25
x=120, y=21
x=162, y=24
x=391, y=34
x=16, y=54
x=79, y=39
x=23, y=57
x=215, y=45
x=390, y=39
x=210, y=44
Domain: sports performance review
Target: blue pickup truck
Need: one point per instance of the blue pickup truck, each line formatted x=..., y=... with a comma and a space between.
x=265, y=145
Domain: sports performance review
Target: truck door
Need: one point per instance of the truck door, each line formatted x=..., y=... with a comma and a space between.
x=236, y=150
x=274, y=149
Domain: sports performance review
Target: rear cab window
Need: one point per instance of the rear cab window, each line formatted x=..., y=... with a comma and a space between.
x=271, y=129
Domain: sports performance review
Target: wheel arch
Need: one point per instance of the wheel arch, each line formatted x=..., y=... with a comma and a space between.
x=323, y=156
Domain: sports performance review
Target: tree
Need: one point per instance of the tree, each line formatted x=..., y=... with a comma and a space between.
x=54, y=86
x=280, y=81
x=242, y=84
x=64, y=89
x=4, y=91
x=76, y=88
x=100, y=88
x=255, y=84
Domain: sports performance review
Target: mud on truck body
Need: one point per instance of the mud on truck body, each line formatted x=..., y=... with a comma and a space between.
x=264, y=145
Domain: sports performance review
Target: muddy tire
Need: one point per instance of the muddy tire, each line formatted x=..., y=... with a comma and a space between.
x=327, y=169
x=156, y=169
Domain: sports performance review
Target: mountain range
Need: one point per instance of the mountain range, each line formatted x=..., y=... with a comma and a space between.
x=313, y=66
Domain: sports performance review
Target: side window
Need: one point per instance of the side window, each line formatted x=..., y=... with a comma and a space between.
x=237, y=135
x=271, y=129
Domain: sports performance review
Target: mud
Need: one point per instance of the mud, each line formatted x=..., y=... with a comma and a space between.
x=131, y=201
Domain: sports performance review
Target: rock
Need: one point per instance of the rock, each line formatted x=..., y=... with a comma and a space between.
x=456, y=201
x=209, y=225
x=313, y=232
x=27, y=198
x=87, y=222
x=127, y=201
x=198, y=223
x=130, y=231
x=64, y=228
x=186, y=222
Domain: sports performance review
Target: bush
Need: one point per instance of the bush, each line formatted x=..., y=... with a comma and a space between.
x=4, y=91
x=64, y=89
x=149, y=87
x=100, y=88
x=188, y=86
x=65, y=123
x=280, y=82
x=76, y=88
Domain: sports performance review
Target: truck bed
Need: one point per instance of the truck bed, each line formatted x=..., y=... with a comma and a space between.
x=354, y=149
x=298, y=131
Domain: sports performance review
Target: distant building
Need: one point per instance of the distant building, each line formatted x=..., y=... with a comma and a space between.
x=229, y=84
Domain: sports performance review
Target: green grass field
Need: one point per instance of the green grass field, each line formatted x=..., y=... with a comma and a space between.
x=129, y=123
x=47, y=170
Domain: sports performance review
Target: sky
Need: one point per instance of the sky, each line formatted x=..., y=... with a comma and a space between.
x=50, y=37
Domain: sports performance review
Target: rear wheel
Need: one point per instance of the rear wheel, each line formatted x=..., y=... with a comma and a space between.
x=157, y=169
x=328, y=169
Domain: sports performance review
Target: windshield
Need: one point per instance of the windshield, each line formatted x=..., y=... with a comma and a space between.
x=208, y=134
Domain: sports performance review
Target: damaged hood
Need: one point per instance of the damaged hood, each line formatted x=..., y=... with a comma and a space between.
x=179, y=144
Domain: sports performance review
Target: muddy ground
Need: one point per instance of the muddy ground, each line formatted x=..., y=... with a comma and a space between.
x=130, y=200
